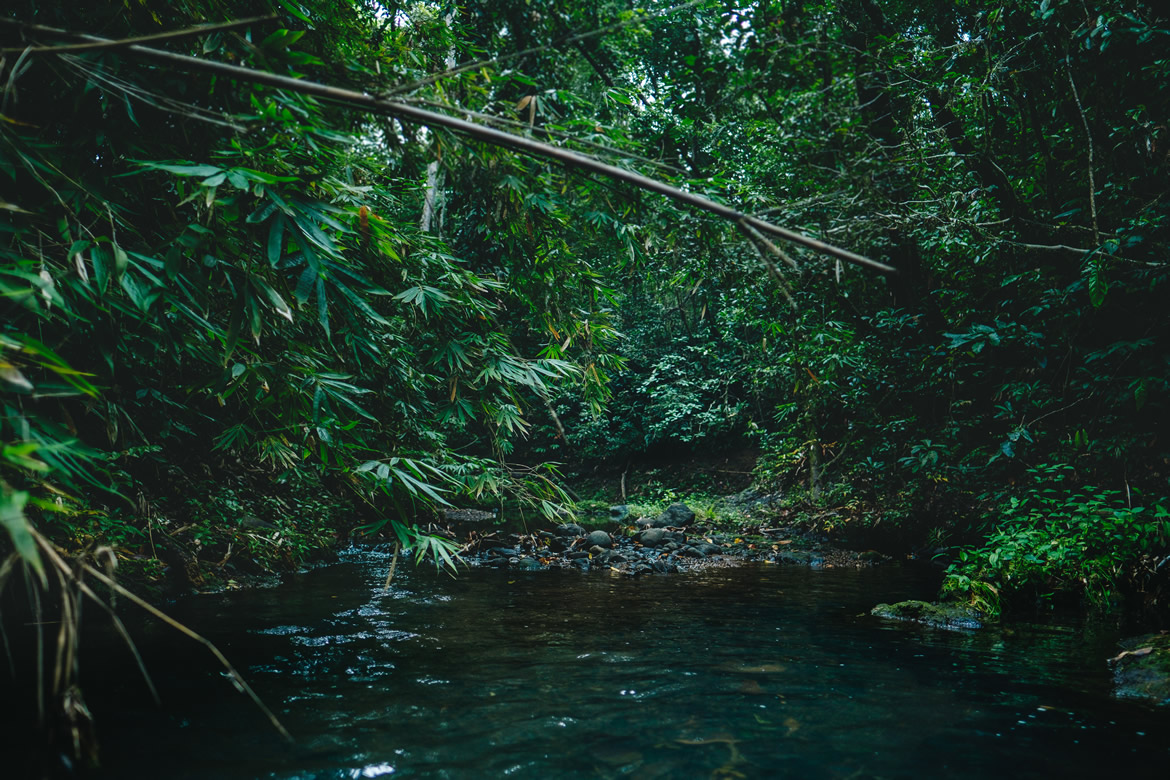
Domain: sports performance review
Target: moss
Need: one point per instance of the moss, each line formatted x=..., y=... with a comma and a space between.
x=948, y=616
x=1142, y=669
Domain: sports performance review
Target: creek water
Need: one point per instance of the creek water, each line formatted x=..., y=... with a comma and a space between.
x=754, y=671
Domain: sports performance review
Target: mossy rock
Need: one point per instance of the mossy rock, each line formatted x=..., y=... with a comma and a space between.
x=948, y=616
x=1142, y=669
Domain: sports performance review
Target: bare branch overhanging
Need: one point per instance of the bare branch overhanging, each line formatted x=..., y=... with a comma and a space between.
x=479, y=132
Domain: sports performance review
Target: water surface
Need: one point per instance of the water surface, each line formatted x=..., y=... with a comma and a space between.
x=758, y=671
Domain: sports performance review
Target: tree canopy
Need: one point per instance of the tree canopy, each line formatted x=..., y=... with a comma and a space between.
x=208, y=275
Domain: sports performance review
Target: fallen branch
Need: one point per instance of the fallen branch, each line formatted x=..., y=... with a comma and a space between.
x=479, y=132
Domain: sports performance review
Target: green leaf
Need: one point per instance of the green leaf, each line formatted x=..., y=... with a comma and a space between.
x=323, y=307
x=101, y=269
x=1095, y=280
x=277, y=302
x=262, y=213
x=305, y=284
x=1140, y=393
x=20, y=531
x=298, y=13
x=275, y=240
x=202, y=171
x=121, y=262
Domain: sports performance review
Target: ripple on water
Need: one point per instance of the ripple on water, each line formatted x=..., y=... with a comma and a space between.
x=280, y=630
x=753, y=671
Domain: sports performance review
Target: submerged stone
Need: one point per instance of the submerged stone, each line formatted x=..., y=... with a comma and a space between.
x=1142, y=669
x=949, y=616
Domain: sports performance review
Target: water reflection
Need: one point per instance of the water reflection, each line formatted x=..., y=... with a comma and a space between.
x=752, y=672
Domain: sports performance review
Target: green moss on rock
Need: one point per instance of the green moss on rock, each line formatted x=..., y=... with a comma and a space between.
x=1142, y=669
x=936, y=615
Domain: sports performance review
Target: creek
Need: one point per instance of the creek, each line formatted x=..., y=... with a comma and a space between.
x=750, y=671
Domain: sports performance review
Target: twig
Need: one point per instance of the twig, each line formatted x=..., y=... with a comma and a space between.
x=393, y=566
x=189, y=32
x=119, y=626
x=1089, y=138
x=762, y=241
x=236, y=677
x=1076, y=250
x=6, y=570
x=764, y=247
x=39, y=614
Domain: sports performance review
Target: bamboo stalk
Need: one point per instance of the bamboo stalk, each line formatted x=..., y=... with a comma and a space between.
x=489, y=135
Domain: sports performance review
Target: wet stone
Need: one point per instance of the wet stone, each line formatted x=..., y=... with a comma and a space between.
x=652, y=537
x=949, y=616
x=668, y=543
x=599, y=539
x=678, y=515
x=1142, y=669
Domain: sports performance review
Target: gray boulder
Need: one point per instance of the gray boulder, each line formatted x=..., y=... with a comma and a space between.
x=570, y=529
x=708, y=549
x=599, y=539
x=652, y=537
x=795, y=557
x=619, y=513
x=676, y=515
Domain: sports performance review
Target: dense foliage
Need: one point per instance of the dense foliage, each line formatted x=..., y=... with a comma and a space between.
x=213, y=287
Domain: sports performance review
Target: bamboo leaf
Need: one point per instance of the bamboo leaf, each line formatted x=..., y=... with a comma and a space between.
x=1095, y=280
x=295, y=11
x=322, y=306
x=19, y=529
x=275, y=240
x=277, y=302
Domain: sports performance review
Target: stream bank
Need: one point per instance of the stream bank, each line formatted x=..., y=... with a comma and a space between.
x=669, y=542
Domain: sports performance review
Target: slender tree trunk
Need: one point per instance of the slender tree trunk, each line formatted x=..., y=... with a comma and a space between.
x=433, y=205
x=432, y=200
